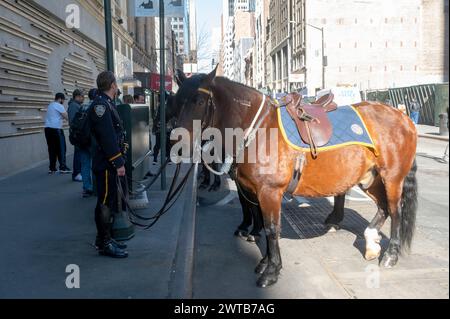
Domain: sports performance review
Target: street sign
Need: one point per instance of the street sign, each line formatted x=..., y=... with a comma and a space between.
x=297, y=78
x=150, y=8
x=155, y=82
x=190, y=68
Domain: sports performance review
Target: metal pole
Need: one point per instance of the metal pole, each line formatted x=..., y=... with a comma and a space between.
x=162, y=90
x=323, y=60
x=109, y=38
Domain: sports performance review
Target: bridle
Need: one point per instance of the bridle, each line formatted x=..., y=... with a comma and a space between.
x=249, y=135
x=208, y=116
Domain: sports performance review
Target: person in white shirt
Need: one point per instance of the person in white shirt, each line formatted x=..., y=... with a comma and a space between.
x=54, y=134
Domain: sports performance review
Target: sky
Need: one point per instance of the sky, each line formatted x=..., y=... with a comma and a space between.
x=209, y=19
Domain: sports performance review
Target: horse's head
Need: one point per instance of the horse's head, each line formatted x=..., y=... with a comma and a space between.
x=193, y=99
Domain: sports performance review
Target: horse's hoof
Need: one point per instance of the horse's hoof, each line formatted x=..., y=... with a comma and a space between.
x=332, y=228
x=373, y=252
x=389, y=261
x=266, y=281
x=262, y=266
x=253, y=238
x=241, y=234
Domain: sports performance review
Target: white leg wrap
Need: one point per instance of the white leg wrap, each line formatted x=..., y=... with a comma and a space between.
x=372, y=239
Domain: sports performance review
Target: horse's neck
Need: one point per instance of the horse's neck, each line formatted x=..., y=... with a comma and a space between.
x=231, y=112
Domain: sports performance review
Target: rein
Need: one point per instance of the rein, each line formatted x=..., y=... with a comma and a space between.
x=174, y=193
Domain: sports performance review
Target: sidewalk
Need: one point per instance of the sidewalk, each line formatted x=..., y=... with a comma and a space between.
x=45, y=225
x=428, y=131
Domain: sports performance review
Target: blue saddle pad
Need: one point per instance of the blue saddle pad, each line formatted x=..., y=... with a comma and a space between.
x=348, y=129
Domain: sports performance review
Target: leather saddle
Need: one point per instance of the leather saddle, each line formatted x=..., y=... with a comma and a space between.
x=312, y=121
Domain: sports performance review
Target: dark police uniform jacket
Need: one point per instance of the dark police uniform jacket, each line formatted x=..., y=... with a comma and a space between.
x=107, y=129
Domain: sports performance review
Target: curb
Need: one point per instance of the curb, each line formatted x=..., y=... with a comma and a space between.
x=181, y=283
x=434, y=137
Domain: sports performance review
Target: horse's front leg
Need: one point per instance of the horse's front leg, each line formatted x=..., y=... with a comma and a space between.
x=242, y=230
x=270, y=202
x=216, y=184
x=337, y=215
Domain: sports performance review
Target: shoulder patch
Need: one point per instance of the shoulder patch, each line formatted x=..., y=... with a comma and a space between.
x=100, y=110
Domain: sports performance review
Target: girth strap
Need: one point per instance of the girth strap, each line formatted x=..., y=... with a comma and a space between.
x=295, y=180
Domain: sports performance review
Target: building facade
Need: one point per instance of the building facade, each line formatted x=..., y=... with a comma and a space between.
x=280, y=52
x=260, y=47
x=50, y=46
x=369, y=45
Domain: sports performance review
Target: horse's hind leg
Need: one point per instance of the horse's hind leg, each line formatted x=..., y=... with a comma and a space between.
x=337, y=215
x=394, y=194
x=377, y=192
x=255, y=234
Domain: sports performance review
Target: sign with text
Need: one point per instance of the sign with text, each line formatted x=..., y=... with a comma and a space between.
x=150, y=8
x=155, y=82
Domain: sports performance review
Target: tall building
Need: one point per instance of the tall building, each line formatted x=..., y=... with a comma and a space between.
x=227, y=37
x=178, y=28
x=191, y=31
x=280, y=45
x=238, y=38
x=367, y=44
x=260, y=47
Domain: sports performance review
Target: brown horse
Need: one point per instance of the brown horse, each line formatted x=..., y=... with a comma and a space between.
x=388, y=177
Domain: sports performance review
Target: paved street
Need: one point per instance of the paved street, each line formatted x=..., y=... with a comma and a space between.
x=320, y=265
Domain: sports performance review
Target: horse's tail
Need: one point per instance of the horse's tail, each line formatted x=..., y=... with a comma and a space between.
x=408, y=208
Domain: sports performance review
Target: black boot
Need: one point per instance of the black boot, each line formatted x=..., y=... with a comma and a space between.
x=111, y=250
x=105, y=245
x=98, y=243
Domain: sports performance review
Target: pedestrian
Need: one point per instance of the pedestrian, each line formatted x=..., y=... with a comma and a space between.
x=77, y=114
x=414, y=109
x=108, y=163
x=117, y=99
x=54, y=134
x=128, y=99
x=75, y=105
x=139, y=98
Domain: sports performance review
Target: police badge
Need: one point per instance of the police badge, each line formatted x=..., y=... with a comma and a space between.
x=100, y=110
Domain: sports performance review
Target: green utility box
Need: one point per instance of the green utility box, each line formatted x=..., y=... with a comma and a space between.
x=136, y=121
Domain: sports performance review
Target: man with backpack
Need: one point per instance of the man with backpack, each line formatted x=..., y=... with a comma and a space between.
x=75, y=105
x=80, y=137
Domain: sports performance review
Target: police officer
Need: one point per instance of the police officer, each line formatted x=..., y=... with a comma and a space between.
x=108, y=162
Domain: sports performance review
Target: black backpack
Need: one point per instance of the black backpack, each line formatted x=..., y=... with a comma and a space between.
x=80, y=129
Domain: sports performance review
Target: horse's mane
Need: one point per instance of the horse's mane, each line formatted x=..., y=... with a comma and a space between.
x=239, y=85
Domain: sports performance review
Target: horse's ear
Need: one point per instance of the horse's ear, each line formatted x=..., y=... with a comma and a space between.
x=211, y=76
x=180, y=77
